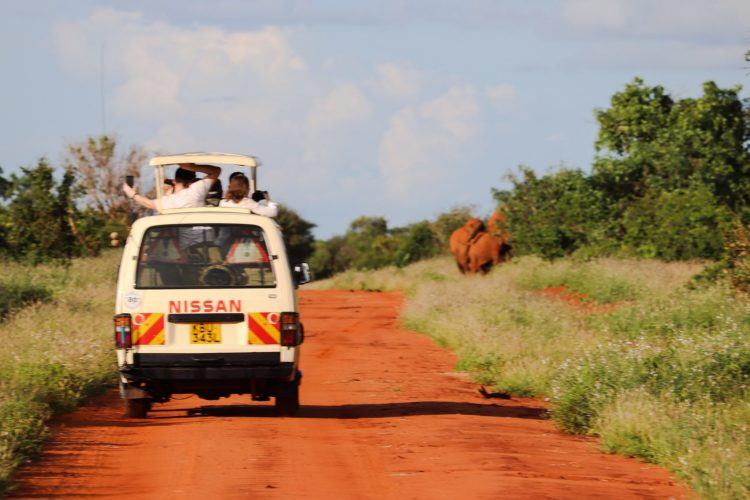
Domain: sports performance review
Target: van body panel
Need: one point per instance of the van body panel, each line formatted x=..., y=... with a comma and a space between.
x=174, y=354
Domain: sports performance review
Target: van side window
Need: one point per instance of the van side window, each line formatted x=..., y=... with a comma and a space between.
x=204, y=256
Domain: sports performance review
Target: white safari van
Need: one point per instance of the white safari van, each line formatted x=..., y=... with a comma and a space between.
x=206, y=304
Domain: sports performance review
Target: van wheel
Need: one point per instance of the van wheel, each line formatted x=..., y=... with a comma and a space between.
x=137, y=408
x=287, y=399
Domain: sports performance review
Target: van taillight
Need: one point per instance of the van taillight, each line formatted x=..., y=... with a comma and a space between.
x=291, y=330
x=123, y=331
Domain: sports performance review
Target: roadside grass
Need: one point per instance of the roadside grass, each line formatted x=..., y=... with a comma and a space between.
x=664, y=375
x=55, y=352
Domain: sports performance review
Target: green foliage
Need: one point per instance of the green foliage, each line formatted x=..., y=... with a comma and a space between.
x=370, y=244
x=40, y=220
x=736, y=262
x=419, y=242
x=14, y=296
x=298, y=235
x=676, y=225
x=667, y=179
x=586, y=278
x=552, y=215
x=449, y=221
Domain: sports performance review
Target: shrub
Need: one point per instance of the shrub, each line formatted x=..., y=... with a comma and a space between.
x=553, y=215
x=14, y=296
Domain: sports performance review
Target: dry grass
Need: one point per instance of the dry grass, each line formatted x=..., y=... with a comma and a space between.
x=54, y=354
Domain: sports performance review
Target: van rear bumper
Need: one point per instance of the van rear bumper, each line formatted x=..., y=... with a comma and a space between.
x=195, y=367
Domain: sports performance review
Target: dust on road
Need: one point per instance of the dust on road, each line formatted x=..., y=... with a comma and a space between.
x=383, y=416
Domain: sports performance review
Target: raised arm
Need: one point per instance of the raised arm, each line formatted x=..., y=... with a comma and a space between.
x=141, y=200
x=211, y=171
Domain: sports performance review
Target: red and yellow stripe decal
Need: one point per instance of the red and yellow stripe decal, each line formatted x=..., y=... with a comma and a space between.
x=148, y=329
x=263, y=328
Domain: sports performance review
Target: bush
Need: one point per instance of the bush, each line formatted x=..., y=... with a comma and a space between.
x=14, y=297
x=41, y=221
x=552, y=215
x=297, y=233
x=418, y=243
x=370, y=244
x=677, y=225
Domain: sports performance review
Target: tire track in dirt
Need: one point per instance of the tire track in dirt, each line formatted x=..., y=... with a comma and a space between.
x=383, y=417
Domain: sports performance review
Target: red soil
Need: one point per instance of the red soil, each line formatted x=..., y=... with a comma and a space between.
x=577, y=300
x=383, y=416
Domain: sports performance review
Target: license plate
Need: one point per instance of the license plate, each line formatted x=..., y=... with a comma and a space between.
x=205, y=333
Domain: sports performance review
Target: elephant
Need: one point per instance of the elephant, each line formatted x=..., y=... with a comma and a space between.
x=459, y=242
x=495, y=224
x=495, y=227
x=484, y=252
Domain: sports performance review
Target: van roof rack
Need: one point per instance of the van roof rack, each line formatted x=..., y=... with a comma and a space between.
x=211, y=158
x=160, y=162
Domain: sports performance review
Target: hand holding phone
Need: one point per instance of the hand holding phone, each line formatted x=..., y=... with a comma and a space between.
x=130, y=180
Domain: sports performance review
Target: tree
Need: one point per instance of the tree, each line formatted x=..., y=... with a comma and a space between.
x=100, y=172
x=553, y=215
x=298, y=235
x=40, y=220
x=667, y=178
x=331, y=256
x=419, y=242
x=649, y=141
x=449, y=221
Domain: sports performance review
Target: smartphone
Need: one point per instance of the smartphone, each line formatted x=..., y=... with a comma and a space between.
x=130, y=180
x=169, y=182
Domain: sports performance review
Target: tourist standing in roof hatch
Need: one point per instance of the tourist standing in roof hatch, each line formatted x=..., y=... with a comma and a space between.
x=237, y=197
x=189, y=192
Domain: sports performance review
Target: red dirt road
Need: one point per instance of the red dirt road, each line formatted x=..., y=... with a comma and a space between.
x=383, y=417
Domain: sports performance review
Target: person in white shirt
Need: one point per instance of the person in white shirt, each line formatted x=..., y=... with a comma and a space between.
x=187, y=193
x=237, y=197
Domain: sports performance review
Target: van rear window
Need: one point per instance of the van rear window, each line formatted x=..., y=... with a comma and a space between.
x=204, y=256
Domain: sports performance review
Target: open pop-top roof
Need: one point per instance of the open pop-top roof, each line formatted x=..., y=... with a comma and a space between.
x=206, y=158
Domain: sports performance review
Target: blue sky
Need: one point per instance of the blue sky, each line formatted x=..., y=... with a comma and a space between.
x=392, y=108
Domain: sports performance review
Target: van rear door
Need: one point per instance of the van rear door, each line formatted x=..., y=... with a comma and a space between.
x=207, y=288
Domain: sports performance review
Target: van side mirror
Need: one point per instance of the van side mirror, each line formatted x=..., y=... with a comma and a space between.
x=301, y=273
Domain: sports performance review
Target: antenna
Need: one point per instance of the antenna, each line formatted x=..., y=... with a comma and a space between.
x=101, y=90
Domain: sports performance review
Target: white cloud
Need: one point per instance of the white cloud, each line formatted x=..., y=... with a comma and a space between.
x=207, y=88
x=400, y=80
x=668, y=34
x=161, y=69
x=334, y=124
x=677, y=55
x=421, y=141
x=678, y=19
x=503, y=97
x=344, y=103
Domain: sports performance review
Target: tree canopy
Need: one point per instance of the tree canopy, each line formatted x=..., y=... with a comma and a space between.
x=667, y=179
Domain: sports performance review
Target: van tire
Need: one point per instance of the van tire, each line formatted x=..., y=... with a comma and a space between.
x=137, y=408
x=287, y=399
